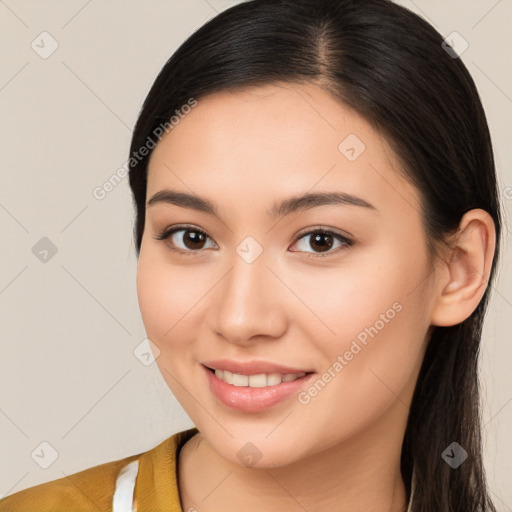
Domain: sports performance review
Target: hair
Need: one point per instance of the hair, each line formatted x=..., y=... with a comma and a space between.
x=388, y=65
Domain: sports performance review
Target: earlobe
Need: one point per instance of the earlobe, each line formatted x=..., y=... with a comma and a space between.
x=467, y=269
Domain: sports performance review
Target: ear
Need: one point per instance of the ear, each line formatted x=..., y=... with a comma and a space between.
x=465, y=270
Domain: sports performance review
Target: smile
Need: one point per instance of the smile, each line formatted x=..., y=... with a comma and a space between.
x=260, y=380
x=254, y=393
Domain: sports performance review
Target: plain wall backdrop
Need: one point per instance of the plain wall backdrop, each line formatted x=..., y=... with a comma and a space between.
x=73, y=77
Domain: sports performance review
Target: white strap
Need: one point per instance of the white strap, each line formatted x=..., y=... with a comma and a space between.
x=413, y=485
x=125, y=486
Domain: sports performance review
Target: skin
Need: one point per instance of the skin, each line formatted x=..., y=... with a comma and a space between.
x=244, y=151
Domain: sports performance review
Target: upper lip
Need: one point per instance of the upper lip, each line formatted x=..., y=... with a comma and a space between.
x=251, y=367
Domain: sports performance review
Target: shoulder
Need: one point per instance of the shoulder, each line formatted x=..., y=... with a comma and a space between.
x=92, y=490
x=88, y=490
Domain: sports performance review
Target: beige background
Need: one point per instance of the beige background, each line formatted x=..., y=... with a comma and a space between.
x=69, y=326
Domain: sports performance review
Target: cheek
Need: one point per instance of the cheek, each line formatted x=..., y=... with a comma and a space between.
x=167, y=294
x=378, y=315
x=373, y=358
x=150, y=292
x=167, y=297
x=350, y=297
x=372, y=312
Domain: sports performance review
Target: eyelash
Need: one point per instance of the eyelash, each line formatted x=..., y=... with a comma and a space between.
x=164, y=235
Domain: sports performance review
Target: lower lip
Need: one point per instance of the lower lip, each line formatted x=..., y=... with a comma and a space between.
x=247, y=399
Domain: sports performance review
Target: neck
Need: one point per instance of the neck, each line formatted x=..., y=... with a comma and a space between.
x=361, y=474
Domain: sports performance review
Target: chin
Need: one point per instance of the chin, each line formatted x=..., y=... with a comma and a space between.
x=258, y=455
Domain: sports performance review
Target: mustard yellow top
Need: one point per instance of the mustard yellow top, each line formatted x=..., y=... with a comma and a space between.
x=154, y=473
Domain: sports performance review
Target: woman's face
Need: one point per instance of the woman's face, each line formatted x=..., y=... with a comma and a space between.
x=350, y=302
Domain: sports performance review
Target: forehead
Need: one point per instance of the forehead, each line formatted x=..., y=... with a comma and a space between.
x=279, y=139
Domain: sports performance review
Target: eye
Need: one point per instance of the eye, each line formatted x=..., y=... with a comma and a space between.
x=323, y=240
x=191, y=240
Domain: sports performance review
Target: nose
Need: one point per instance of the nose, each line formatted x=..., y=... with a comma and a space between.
x=250, y=303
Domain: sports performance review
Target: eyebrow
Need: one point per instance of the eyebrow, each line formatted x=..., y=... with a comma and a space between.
x=285, y=207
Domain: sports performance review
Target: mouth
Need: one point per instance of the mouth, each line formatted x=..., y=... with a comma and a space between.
x=254, y=392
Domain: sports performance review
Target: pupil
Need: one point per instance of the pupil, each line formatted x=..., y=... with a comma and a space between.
x=318, y=237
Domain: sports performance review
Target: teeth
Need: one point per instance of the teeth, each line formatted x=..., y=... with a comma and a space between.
x=240, y=380
x=227, y=377
x=257, y=381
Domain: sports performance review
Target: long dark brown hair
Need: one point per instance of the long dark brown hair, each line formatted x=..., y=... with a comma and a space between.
x=390, y=66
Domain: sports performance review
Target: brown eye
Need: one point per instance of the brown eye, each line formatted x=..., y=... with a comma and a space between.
x=185, y=239
x=321, y=241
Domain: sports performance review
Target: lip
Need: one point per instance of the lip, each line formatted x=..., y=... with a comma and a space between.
x=247, y=399
x=252, y=367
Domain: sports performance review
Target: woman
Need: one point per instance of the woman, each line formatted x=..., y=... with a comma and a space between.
x=317, y=232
